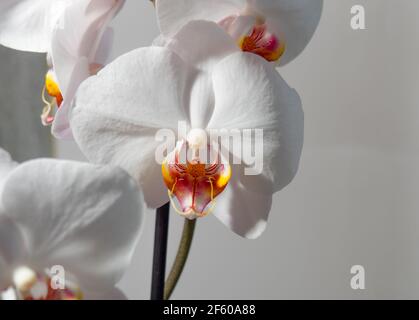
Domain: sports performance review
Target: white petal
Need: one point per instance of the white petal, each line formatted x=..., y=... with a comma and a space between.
x=61, y=126
x=202, y=100
x=173, y=15
x=79, y=35
x=202, y=44
x=297, y=20
x=12, y=246
x=242, y=210
x=6, y=164
x=118, y=112
x=105, y=47
x=160, y=41
x=12, y=249
x=237, y=26
x=260, y=99
x=80, y=39
x=83, y=217
x=28, y=24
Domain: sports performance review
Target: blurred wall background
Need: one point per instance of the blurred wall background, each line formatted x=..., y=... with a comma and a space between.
x=354, y=200
x=21, y=82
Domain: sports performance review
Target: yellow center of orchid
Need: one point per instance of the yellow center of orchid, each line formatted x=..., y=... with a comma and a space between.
x=52, y=87
x=195, y=170
x=263, y=43
x=55, y=98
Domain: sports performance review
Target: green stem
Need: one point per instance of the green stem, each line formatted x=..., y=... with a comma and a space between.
x=181, y=257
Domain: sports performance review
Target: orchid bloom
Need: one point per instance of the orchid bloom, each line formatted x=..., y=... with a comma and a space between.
x=277, y=30
x=200, y=78
x=83, y=218
x=76, y=38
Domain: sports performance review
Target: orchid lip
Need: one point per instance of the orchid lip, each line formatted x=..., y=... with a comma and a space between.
x=254, y=36
x=194, y=184
x=263, y=43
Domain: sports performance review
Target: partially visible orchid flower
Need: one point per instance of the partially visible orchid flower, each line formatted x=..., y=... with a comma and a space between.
x=277, y=30
x=82, y=218
x=200, y=78
x=76, y=38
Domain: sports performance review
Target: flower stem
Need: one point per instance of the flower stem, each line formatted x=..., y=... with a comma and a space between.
x=160, y=252
x=181, y=257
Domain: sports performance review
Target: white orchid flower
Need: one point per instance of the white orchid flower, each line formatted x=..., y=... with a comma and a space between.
x=201, y=78
x=76, y=38
x=273, y=29
x=83, y=218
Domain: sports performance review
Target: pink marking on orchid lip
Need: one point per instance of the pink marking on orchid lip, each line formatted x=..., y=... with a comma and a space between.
x=271, y=43
x=262, y=43
x=49, y=120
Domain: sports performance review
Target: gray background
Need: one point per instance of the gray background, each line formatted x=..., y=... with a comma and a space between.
x=354, y=200
x=20, y=105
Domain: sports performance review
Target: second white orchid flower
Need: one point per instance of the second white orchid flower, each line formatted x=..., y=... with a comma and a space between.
x=277, y=30
x=76, y=38
x=78, y=218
